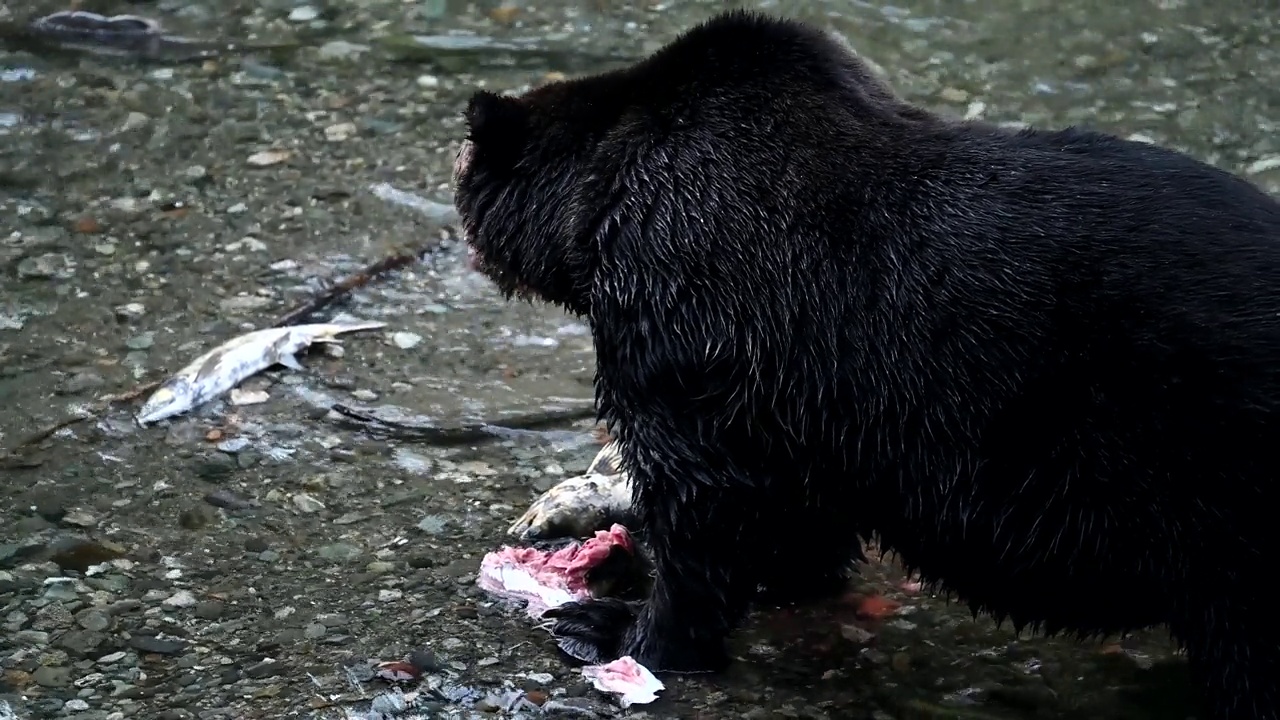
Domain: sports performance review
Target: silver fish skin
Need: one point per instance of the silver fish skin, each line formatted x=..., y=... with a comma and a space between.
x=229, y=364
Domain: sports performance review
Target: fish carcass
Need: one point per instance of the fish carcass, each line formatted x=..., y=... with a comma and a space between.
x=227, y=365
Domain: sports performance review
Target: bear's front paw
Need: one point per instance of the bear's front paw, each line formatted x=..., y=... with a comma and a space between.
x=592, y=631
x=600, y=631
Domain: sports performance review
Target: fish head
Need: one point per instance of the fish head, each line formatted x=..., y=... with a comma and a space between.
x=166, y=401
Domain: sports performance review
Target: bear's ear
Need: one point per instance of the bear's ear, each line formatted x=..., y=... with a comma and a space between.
x=497, y=124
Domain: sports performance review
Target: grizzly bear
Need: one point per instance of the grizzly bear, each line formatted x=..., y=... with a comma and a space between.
x=1041, y=366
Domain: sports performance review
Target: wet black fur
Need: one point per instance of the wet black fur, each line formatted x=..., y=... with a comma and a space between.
x=1040, y=365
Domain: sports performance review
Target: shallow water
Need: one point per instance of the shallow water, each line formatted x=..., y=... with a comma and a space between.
x=281, y=548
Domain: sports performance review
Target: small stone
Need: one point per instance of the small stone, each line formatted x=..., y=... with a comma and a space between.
x=425, y=660
x=76, y=705
x=43, y=267
x=141, y=341
x=341, y=50
x=268, y=157
x=196, y=173
x=314, y=631
x=255, y=545
x=264, y=669
x=209, y=610
x=180, y=599
x=389, y=595
x=433, y=524
x=31, y=637
x=93, y=620
x=304, y=13
x=364, y=395
x=340, y=132
x=339, y=552
x=52, y=676
x=405, y=340
x=79, y=518
x=227, y=499
x=307, y=504
x=134, y=121
x=111, y=659
x=954, y=95
x=157, y=645
x=380, y=567
x=81, y=382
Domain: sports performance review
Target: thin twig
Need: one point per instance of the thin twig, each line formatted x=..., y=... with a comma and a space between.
x=10, y=458
x=342, y=288
x=435, y=213
x=463, y=433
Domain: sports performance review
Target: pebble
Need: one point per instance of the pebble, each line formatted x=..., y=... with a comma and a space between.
x=304, y=13
x=267, y=158
x=157, y=645
x=340, y=132
x=405, y=340
x=43, y=267
x=180, y=599
x=339, y=552
x=307, y=504
x=341, y=50
x=46, y=676
x=93, y=620
x=31, y=637
x=264, y=669
x=79, y=518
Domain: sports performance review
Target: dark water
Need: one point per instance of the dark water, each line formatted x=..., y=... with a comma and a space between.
x=154, y=209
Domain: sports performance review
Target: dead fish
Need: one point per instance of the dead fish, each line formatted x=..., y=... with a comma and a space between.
x=225, y=366
x=582, y=504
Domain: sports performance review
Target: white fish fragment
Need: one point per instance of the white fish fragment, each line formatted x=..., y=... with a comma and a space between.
x=227, y=365
x=631, y=681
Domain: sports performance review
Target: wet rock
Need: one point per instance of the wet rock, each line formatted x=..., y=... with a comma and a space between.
x=209, y=610
x=44, y=267
x=31, y=637
x=52, y=677
x=180, y=599
x=406, y=340
x=571, y=708
x=197, y=517
x=228, y=500
x=50, y=510
x=424, y=660
x=339, y=552
x=264, y=669
x=80, y=382
x=256, y=545
x=341, y=50
x=214, y=468
x=30, y=525
x=307, y=504
x=79, y=555
x=304, y=14
x=157, y=645
x=433, y=524
x=142, y=341
x=79, y=518
x=81, y=643
x=93, y=619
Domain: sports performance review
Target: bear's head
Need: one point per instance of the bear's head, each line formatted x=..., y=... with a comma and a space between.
x=523, y=190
